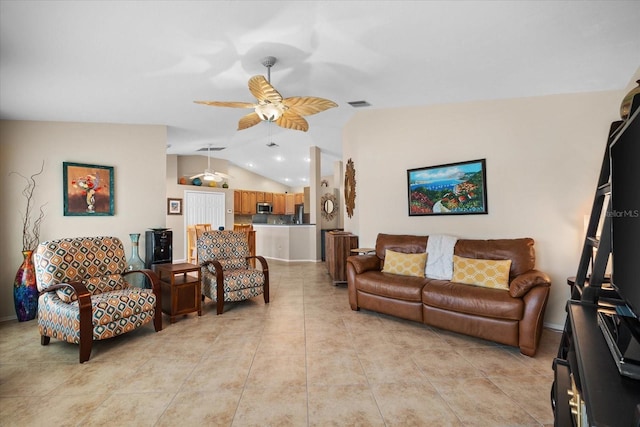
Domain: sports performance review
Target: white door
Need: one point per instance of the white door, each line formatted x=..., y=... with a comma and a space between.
x=203, y=207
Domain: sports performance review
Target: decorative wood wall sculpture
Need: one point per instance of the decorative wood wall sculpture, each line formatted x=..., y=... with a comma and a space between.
x=350, y=188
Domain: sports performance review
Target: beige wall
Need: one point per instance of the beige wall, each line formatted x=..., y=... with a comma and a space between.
x=242, y=179
x=137, y=154
x=543, y=159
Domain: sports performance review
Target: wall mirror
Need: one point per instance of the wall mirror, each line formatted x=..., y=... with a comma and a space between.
x=329, y=206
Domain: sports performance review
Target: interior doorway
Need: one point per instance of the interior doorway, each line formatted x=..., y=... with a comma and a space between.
x=203, y=207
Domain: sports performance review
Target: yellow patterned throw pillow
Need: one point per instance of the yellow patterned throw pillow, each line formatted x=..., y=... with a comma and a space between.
x=404, y=264
x=481, y=272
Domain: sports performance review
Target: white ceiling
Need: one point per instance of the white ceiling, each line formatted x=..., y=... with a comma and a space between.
x=146, y=62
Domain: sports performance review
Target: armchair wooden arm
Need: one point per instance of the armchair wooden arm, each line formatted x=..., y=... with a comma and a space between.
x=265, y=270
x=86, y=315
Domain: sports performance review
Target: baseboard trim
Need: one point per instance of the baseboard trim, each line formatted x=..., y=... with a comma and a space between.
x=293, y=260
x=554, y=326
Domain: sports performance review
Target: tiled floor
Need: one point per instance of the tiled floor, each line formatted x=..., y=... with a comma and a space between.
x=305, y=359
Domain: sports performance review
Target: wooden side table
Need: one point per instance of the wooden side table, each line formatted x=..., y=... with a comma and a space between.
x=180, y=291
x=338, y=248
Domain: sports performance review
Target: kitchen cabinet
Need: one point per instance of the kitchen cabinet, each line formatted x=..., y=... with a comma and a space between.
x=237, y=202
x=244, y=201
x=248, y=202
x=278, y=204
x=289, y=204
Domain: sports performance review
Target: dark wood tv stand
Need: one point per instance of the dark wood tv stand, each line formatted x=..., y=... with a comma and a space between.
x=607, y=398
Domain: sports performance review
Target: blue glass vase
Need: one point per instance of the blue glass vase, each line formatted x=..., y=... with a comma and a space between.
x=135, y=263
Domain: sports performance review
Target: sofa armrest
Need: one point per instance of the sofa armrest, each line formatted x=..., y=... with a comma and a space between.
x=527, y=281
x=362, y=263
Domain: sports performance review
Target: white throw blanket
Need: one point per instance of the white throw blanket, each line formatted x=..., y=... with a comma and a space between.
x=440, y=256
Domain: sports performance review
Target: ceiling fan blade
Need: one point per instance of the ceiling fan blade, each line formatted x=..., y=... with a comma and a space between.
x=196, y=176
x=292, y=120
x=227, y=104
x=249, y=120
x=212, y=176
x=308, y=105
x=224, y=175
x=263, y=91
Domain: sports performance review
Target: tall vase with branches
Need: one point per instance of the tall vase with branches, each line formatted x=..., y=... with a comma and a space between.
x=25, y=290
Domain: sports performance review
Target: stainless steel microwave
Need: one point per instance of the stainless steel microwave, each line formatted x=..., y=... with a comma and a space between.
x=264, y=208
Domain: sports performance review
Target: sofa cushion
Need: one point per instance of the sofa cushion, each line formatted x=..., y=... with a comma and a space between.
x=519, y=251
x=472, y=300
x=482, y=272
x=404, y=264
x=394, y=286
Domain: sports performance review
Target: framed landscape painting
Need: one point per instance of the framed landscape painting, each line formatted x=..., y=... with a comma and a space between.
x=88, y=189
x=451, y=189
x=174, y=206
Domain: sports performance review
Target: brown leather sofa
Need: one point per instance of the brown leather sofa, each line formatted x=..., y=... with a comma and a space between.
x=513, y=317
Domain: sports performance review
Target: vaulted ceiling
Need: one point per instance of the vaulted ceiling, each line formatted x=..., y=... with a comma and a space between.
x=145, y=62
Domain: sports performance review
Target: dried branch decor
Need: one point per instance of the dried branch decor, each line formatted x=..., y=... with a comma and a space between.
x=30, y=226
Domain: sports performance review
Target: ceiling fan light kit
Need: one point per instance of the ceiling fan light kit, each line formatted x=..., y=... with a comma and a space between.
x=269, y=112
x=272, y=107
x=209, y=174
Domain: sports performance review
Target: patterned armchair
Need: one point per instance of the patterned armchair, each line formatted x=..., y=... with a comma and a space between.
x=84, y=295
x=226, y=272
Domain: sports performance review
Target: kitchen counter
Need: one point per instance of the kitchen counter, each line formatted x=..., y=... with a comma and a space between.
x=281, y=225
x=286, y=242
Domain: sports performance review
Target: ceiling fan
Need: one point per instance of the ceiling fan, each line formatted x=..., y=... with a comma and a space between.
x=209, y=174
x=272, y=107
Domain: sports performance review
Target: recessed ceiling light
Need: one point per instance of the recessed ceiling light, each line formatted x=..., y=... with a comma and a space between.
x=279, y=159
x=308, y=160
x=287, y=180
x=250, y=165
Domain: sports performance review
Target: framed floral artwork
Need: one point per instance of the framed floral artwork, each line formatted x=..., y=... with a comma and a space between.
x=87, y=189
x=451, y=189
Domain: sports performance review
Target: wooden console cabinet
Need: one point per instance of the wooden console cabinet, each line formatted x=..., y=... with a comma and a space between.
x=588, y=389
x=180, y=290
x=338, y=245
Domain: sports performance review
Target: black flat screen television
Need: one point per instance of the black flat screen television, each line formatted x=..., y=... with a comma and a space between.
x=625, y=213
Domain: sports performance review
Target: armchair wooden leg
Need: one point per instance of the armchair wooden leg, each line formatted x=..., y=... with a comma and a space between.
x=219, y=290
x=85, y=350
x=157, y=320
x=44, y=340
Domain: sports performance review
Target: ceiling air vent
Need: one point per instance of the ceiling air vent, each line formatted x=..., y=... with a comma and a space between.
x=272, y=144
x=212, y=149
x=358, y=104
